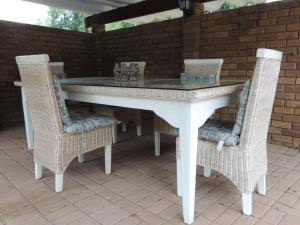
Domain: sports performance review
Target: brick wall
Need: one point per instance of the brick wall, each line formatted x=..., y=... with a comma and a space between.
x=236, y=34
x=159, y=44
x=73, y=48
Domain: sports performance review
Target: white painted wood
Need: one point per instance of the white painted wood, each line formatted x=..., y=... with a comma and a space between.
x=206, y=172
x=139, y=130
x=38, y=170
x=124, y=128
x=163, y=108
x=81, y=158
x=262, y=187
x=107, y=153
x=247, y=204
x=178, y=168
x=157, y=143
x=59, y=182
x=27, y=119
x=188, y=138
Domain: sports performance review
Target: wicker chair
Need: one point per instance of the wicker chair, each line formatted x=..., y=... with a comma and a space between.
x=245, y=164
x=57, y=68
x=193, y=68
x=131, y=115
x=53, y=147
x=125, y=114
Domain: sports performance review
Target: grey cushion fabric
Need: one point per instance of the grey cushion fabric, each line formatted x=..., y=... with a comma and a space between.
x=219, y=131
x=215, y=131
x=237, y=129
x=198, y=77
x=61, y=101
x=84, y=121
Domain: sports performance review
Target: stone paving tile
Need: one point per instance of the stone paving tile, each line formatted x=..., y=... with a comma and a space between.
x=140, y=191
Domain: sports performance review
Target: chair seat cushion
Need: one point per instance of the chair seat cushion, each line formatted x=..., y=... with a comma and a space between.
x=218, y=131
x=215, y=131
x=85, y=121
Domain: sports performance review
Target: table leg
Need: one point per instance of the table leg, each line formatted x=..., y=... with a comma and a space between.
x=27, y=119
x=188, y=134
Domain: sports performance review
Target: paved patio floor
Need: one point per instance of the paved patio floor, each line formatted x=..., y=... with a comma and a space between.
x=141, y=189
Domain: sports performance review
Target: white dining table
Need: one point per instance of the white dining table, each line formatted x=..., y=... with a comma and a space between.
x=183, y=104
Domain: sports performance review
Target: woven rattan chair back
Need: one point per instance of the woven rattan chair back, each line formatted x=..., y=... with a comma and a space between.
x=57, y=68
x=261, y=98
x=203, y=66
x=38, y=85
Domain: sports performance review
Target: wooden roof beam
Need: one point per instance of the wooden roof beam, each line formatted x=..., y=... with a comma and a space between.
x=134, y=10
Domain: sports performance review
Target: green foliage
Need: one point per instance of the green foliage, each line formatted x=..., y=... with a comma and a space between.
x=122, y=24
x=118, y=25
x=65, y=19
x=227, y=5
x=250, y=3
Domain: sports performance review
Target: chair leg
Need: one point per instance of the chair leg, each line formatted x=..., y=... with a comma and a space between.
x=207, y=172
x=179, y=188
x=115, y=134
x=139, y=130
x=107, y=152
x=38, y=170
x=81, y=158
x=247, y=203
x=157, y=143
x=59, y=182
x=124, y=128
x=262, y=189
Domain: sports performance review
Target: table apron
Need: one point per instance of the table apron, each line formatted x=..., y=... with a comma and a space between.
x=165, y=108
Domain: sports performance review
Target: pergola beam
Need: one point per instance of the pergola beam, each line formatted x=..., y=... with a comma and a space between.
x=133, y=10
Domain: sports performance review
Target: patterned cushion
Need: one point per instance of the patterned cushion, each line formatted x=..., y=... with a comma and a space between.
x=199, y=77
x=219, y=131
x=237, y=129
x=61, y=102
x=215, y=131
x=127, y=71
x=85, y=121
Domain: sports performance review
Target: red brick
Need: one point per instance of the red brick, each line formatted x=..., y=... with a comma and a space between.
x=277, y=13
x=291, y=118
x=287, y=35
x=276, y=28
x=281, y=124
x=296, y=126
x=283, y=139
x=292, y=88
x=288, y=19
x=276, y=44
x=287, y=80
x=292, y=104
x=290, y=133
x=295, y=11
x=293, y=27
x=274, y=130
x=295, y=42
x=248, y=38
x=284, y=110
x=267, y=22
x=284, y=95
